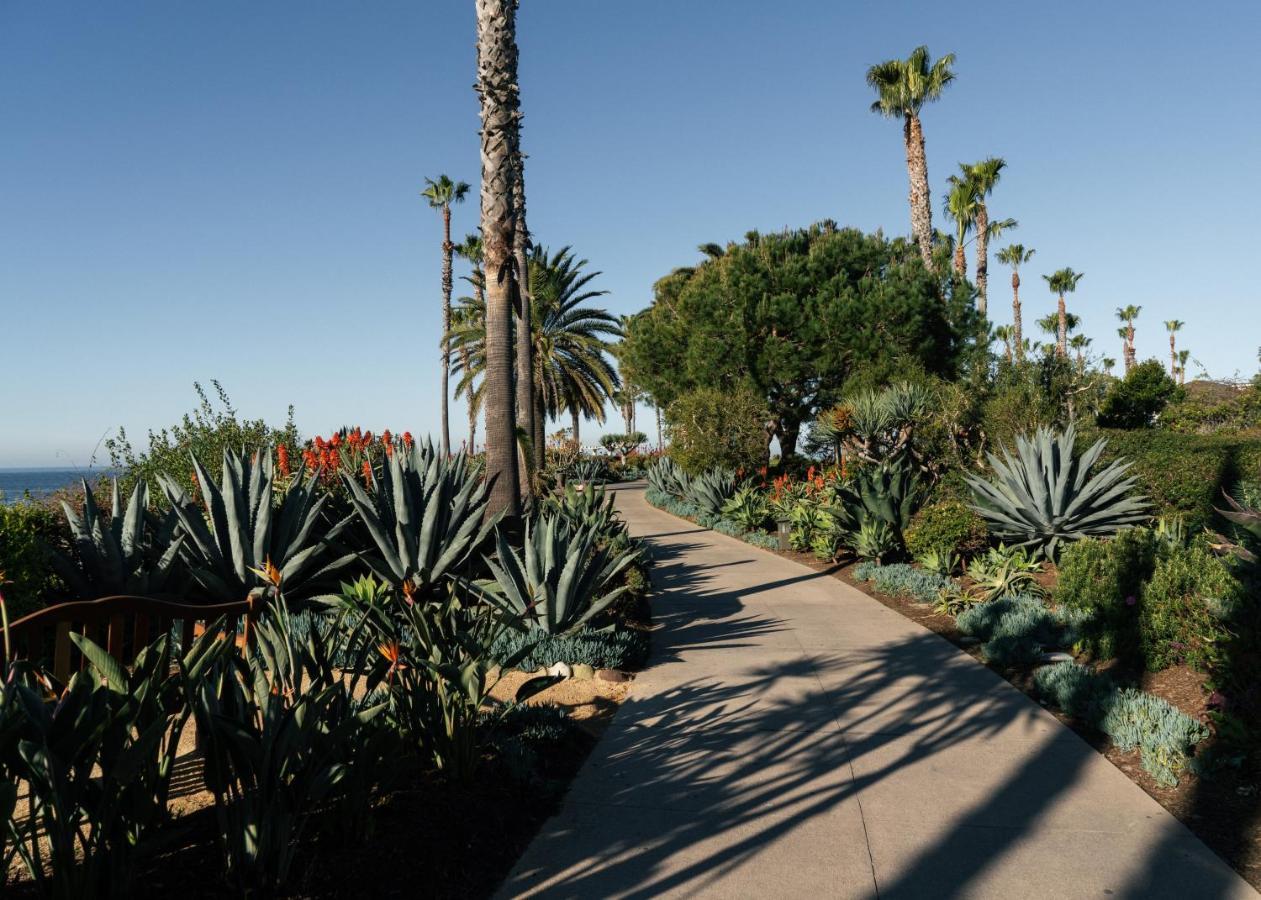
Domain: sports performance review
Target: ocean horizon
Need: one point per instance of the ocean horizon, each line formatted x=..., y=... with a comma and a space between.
x=35, y=482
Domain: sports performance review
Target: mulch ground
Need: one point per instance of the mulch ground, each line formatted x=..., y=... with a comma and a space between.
x=1223, y=810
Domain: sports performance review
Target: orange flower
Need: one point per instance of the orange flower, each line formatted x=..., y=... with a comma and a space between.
x=407, y=439
x=409, y=591
x=282, y=460
x=269, y=573
x=367, y=474
x=394, y=655
x=386, y=437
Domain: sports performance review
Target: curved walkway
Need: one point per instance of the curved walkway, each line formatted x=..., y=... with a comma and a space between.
x=792, y=737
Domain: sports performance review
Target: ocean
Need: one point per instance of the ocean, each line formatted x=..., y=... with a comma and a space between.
x=16, y=483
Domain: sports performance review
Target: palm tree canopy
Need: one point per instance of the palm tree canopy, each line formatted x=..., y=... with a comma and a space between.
x=1015, y=256
x=1128, y=313
x=470, y=248
x=903, y=86
x=1063, y=281
x=443, y=191
x=1051, y=323
x=984, y=175
x=1174, y=325
x=960, y=205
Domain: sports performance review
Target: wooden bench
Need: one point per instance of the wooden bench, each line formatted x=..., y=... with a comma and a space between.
x=122, y=625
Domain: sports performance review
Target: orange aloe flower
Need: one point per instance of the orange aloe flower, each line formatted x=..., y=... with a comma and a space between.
x=367, y=474
x=394, y=655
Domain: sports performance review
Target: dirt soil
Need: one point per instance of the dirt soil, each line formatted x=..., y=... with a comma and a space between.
x=1223, y=810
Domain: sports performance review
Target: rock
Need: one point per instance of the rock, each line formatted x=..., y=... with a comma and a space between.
x=562, y=670
x=611, y=675
x=1057, y=657
x=583, y=672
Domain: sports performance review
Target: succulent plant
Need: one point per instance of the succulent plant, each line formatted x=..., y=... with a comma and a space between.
x=592, y=507
x=560, y=580
x=129, y=551
x=888, y=493
x=873, y=539
x=425, y=515
x=245, y=538
x=1045, y=494
x=1004, y=571
x=710, y=490
x=667, y=478
x=747, y=508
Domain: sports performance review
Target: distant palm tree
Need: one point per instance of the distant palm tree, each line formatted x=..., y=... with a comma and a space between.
x=523, y=329
x=960, y=206
x=1016, y=256
x=1128, y=314
x=470, y=250
x=1050, y=323
x=1173, y=326
x=441, y=194
x=1124, y=334
x=1080, y=344
x=1183, y=356
x=1061, y=282
x=984, y=176
x=902, y=87
x=1004, y=333
x=1108, y=364
x=497, y=88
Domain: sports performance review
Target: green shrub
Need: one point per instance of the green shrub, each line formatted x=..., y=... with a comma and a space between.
x=1138, y=399
x=1164, y=735
x=711, y=428
x=27, y=530
x=1013, y=630
x=1183, y=475
x=622, y=648
x=946, y=527
x=1104, y=579
x=761, y=539
x=1182, y=607
x=902, y=580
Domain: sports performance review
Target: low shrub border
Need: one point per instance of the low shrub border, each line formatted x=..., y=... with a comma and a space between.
x=677, y=507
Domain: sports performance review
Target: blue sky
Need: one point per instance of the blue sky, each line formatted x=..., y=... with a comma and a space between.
x=230, y=190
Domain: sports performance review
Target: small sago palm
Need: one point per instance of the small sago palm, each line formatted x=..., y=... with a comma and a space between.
x=902, y=87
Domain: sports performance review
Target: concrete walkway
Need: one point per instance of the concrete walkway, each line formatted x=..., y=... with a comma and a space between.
x=792, y=737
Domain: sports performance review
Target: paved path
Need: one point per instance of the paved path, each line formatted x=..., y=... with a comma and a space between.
x=792, y=737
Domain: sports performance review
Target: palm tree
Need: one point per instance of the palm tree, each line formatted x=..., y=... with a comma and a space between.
x=960, y=206
x=525, y=366
x=1003, y=333
x=1108, y=364
x=441, y=194
x=902, y=88
x=984, y=176
x=1016, y=256
x=470, y=250
x=1183, y=356
x=1062, y=282
x=1124, y=334
x=1128, y=314
x=1050, y=323
x=497, y=90
x=1080, y=344
x=1173, y=326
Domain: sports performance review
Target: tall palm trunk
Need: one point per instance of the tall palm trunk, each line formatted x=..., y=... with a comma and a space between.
x=447, y=249
x=659, y=444
x=1173, y=356
x=573, y=411
x=982, y=257
x=917, y=171
x=540, y=417
x=524, y=330
x=960, y=258
x=497, y=88
x=1017, y=336
x=1129, y=347
x=468, y=397
x=1061, y=330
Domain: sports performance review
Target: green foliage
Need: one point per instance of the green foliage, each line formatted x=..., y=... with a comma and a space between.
x=618, y=648
x=666, y=478
x=116, y=552
x=1184, y=474
x=244, y=526
x=1164, y=735
x=1137, y=400
x=761, y=539
x=28, y=531
x=1013, y=629
x=747, y=508
x=207, y=433
x=710, y=490
x=943, y=562
x=901, y=580
x=1210, y=408
x=796, y=315
x=425, y=516
x=1004, y=571
x=1104, y=579
x=946, y=527
x=1047, y=391
x=588, y=509
x=1183, y=606
x=710, y=428
x=1046, y=494
x=622, y=444
x=560, y=581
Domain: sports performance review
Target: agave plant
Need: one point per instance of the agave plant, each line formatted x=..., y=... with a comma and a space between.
x=943, y=562
x=245, y=536
x=875, y=540
x=1003, y=572
x=1245, y=549
x=887, y=494
x=710, y=491
x=1045, y=494
x=590, y=508
x=747, y=508
x=667, y=478
x=129, y=551
x=559, y=582
x=425, y=515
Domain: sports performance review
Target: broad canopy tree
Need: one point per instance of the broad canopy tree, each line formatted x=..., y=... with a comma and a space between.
x=795, y=316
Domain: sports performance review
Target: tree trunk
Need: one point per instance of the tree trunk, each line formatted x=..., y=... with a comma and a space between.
x=1061, y=336
x=1129, y=347
x=468, y=398
x=573, y=411
x=788, y=433
x=540, y=419
x=524, y=330
x=1017, y=335
x=982, y=258
x=1173, y=357
x=497, y=88
x=960, y=259
x=660, y=446
x=921, y=204
x=447, y=249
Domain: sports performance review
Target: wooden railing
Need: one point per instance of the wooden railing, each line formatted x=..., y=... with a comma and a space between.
x=122, y=625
